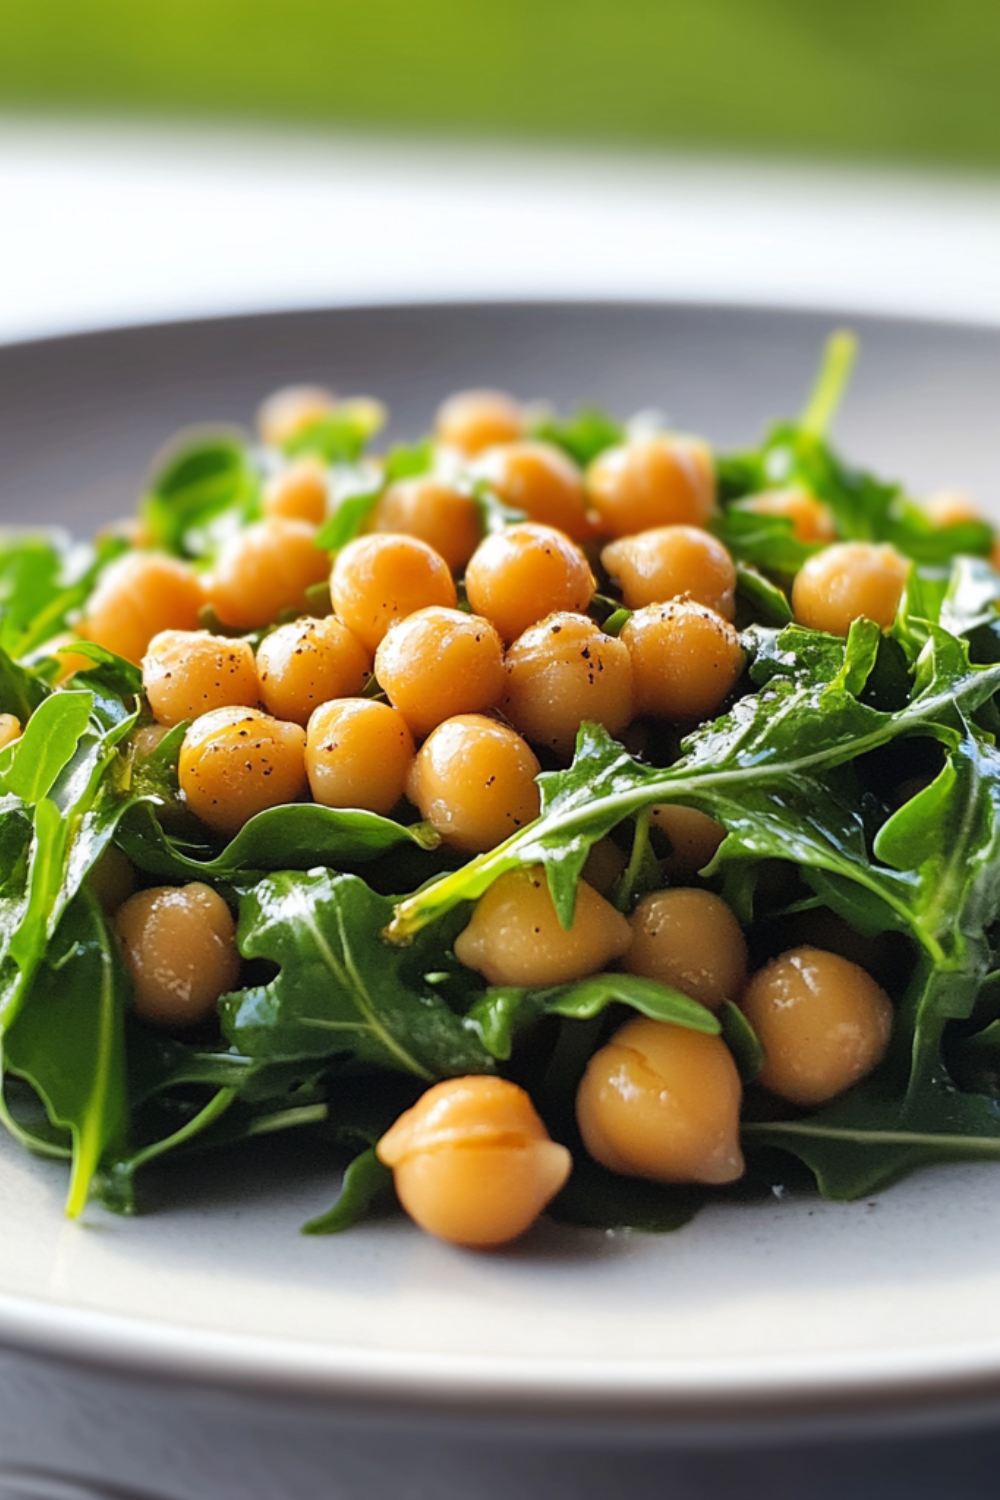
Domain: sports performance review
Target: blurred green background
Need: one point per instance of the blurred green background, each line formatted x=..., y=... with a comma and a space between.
x=911, y=80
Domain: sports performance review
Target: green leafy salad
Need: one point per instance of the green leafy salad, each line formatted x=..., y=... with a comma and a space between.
x=552, y=815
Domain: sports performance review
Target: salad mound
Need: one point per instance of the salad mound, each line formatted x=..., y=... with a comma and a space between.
x=553, y=815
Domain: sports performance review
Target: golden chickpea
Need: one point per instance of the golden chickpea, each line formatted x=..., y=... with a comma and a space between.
x=377, y=580
x=264, y=569
x=952, y=508
x=811, y=519
x=694, y=837
x=562, y=671
x=665, y=480
x=473, y=420
x=605, y=866
x=291, y=410
x=539, y=479
x=435, y=512
x=663, y=1102
x=236, y=762
x=358, y=754
x=306, y=663
x=474, y=781
x=298, y=492
x=671, y=561
x=823, y=1022
x=515, y=936
x=112, y=879
x=688, y=938
x=685, y=659
x=846, y=582
x=188, y=672
x=524, y=572
x=10, y=730
x=440, y=662
x=472, y=1162
x=138, y=596
x=179, y=944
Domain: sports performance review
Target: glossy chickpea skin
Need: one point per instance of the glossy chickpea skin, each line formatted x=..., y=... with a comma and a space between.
x=689, y=938
x=287, y=412
x=810, y=519
x=236, y=762
x=694, y=837
x=685, y=659
x=10, y=730
x=440, y=662
x=112, y=880
x=663, y=1102
x=525, y=572
x=670, y=561
x=846, y=582
x=823, y=1022
x=264, y=569
x=298, y=492
x=515, y=936
x=559, y=673
x=378, y=580
x=306, y=663
x=179, y=945
x=186, y=673
x=358, y=754
x=539, y=479
x=474, y=782
x=433, y=511
x=473, y=420
x=664, y=480
x=472, y=1162
x=136, y=598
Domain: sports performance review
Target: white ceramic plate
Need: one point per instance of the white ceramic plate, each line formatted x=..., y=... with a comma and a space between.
x=767, y=1312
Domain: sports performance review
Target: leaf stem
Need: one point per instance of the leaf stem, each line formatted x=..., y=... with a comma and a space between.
x=831, y=382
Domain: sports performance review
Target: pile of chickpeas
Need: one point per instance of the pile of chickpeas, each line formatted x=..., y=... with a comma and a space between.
x=449, y=666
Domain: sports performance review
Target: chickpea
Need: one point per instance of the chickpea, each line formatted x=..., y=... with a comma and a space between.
x=664, y=480
x=694, y=837
x=10, y=730
x=433, y=511
x=264, y=569
x=146, y=740
x=377, y=580
x=515, y=936
x=298, y=492
x=358, y=754
x=70, y=661
x=524, y=572
x=605, y=866
x=839, y=585
x=473, y=420
x=663, y=1102
x=188, y=672
x=539, y=479
x=823, y=1021
x=472, y=1162
x=951, y=508
x=179, y=944
x=138, y=596
x=440, y=662
x=685, y=659
x=291, y=410
x=811, y=519
x=112, y=879
x=562, y=671
x=236, y=762
x=302, y=665
x=688, y=938
x=670, y=561
x=474, y=781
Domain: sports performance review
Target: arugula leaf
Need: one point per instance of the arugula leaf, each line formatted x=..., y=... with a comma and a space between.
x=583, y=436
x=206, y=486
x=341, y=988
x=21, y=690
x=67, y=1040
x=501, y=1012
x=340, y=434
x=295, y=837
x=47, y=745
x=44, y=579
x=365, y=1180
